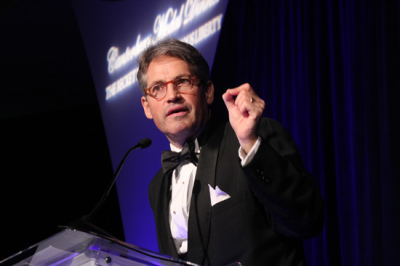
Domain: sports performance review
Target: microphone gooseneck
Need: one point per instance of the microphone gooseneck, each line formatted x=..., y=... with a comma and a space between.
x=142, y=144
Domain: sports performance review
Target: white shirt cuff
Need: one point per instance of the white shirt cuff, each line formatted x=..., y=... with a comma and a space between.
x=246, y=158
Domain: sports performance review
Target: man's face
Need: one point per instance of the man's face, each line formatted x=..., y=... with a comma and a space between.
x=179, y=116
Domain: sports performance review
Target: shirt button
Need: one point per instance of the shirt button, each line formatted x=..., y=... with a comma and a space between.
x=174, y=212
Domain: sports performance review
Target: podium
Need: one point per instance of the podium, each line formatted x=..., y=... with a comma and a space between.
x=74, y=247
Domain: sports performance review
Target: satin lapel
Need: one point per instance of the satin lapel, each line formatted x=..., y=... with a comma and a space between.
x=200, y=208
x=162, y=220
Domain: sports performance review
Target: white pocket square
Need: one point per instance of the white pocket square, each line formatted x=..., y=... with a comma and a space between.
x=217, y=195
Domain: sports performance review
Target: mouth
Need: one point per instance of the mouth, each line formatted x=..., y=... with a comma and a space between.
x=178, y=110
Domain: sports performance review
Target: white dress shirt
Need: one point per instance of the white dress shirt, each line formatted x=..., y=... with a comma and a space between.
x=181, y=193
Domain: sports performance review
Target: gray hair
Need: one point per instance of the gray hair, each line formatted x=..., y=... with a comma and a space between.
x=175, y=48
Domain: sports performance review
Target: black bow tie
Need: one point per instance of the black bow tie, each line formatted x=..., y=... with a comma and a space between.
x=170, y=159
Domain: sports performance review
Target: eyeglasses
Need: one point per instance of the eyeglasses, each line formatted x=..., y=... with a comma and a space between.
x=159, y=90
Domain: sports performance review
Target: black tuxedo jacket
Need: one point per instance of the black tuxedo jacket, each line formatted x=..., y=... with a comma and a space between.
x=274, y=202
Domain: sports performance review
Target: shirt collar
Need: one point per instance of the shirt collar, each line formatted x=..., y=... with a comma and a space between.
x=196, y=147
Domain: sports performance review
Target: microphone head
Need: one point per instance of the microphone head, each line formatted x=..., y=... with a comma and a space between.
x=144, y=143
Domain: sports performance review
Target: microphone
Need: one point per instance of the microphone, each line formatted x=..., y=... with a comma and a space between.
x=85, y=225
x=142, y=144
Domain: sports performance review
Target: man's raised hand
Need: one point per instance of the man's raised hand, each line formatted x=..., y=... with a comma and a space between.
x=245, y=110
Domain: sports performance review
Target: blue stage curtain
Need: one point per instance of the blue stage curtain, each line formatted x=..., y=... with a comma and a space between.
x=329, y=71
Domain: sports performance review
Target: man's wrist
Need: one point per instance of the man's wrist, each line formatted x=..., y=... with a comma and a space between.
x=246, y=157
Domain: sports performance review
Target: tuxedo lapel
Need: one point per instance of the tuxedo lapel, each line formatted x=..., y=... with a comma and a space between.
x=162, y=221
x=200, y=208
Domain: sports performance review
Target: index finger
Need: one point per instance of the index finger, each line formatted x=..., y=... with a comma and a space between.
x=244, y=87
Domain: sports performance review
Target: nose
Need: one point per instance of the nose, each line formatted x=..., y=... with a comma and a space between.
x=172, y=93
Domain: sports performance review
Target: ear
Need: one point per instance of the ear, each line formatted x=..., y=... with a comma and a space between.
x=146, y=108
x=210, y=92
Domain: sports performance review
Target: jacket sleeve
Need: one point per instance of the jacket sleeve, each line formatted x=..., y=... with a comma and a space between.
x=288, y=192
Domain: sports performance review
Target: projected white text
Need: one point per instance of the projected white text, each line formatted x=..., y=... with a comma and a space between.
x=164, y=25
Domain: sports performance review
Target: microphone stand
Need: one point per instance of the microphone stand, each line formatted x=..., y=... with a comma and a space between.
x=84, y=223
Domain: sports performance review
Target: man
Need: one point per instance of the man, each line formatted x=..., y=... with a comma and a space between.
x=243, y=195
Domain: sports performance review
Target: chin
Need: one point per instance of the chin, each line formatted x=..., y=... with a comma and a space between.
x=182, y=131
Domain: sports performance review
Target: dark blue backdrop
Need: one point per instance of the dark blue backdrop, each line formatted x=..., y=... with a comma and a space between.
x=329, y=71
